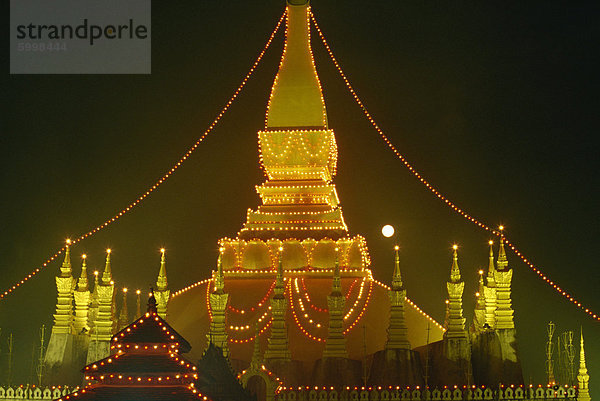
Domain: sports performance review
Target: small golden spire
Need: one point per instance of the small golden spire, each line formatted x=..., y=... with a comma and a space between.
x=82, y=283
x=337, y=282
x=481, y=289
x=491, y=281
x=502, y=260
x=107, y=274
x=65, y=270
x=220, y=278
x=583, y=378
x=455, y=271
x=161, y=282
x=397, y=277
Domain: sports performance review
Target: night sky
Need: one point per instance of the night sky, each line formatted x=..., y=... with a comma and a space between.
x=494, y=102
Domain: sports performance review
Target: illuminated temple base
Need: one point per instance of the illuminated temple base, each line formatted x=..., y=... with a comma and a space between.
x=249, y=257
x=307, y=300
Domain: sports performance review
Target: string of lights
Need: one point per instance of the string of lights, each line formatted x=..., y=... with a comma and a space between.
x=162, y=179
x=432, y=189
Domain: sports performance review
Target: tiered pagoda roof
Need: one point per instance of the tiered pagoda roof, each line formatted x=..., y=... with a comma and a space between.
x=146, y=364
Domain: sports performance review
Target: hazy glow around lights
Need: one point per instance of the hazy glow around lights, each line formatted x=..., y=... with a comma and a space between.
x=387, y=231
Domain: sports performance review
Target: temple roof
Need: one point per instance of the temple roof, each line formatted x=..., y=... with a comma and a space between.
x=143, y=364
x=151, y=329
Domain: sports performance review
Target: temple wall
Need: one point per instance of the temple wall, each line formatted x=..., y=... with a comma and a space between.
x=415, y=394
x=34, y=393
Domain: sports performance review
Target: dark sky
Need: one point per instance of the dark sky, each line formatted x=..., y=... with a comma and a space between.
x=495, y=102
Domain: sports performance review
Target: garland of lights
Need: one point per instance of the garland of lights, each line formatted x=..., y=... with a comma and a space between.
x=206, y=281
x=260, y=304
x=443, y=198
x=319, y=325
x=414, y=305
x=325, y=310
x=168, y=174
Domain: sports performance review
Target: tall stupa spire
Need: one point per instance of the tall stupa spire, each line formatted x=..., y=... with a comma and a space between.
x=65, y=285
x=57, y=354
x=296, y=98
x=107, y=274
x=162, y=292
x=456, y=321
x=503, y=278
x=502, y=260
x=297, y=149
x=583, y=378
x=218, y=303
x=397, y=330
x=82, y=299
x=489, y=290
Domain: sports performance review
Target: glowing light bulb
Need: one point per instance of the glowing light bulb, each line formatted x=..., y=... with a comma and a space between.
x=83, y=256
x=95, y=272
x=455, y=247
x=490, y=242
x=125, y=290
x=138, y=292
x=387, y=231
x=501, y=228
x=68, y=241
x=162, y=250
x=480, y=271
x=108, y=251
x=396, y=248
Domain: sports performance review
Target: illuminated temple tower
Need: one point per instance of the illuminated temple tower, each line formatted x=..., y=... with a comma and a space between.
x=297, y=285
x=59, y=355
x=300, y=225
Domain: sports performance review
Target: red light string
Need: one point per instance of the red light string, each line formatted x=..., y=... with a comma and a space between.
x=144, y=195
x=433, y=190
x=260, y=303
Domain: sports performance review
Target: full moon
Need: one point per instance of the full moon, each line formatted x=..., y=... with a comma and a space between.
x=387, y=231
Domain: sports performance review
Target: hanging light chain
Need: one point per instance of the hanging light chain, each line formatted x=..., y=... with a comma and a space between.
x=443, y=198
x=162, y=179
